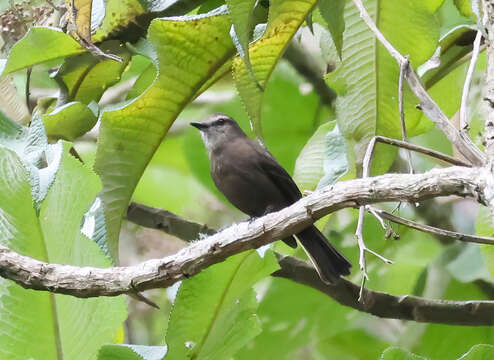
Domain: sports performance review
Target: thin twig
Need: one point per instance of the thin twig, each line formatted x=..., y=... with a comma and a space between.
x=468, y=81
x=404, y=136
x=419, y=149
x=366, y=173
x=460, y=140
x=360, y=223
x=28, y=89
x=387, y=228
x=434, y=230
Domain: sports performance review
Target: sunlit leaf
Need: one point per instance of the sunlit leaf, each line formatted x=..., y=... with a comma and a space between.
x=28, y=51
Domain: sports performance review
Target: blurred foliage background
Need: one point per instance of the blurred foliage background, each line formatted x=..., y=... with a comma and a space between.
x=116, y=114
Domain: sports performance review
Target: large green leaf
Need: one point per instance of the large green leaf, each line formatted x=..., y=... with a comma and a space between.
x=214, y=312
x=285, y=17
x=39, y=324
x=189, y=50
x=367, y=78
x=40, y=45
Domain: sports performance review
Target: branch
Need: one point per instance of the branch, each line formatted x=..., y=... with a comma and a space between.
x=459, y=139
x=307, y=67
x=489, y=97
x=166, y=221
x=434, y=230
x=471, y=312
x=158, y=273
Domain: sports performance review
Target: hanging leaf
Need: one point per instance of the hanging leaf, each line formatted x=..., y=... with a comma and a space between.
x=333, y=13
x=189, y=50
x=285, y=17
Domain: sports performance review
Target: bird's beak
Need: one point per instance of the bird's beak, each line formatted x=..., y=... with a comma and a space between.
x=200, y=126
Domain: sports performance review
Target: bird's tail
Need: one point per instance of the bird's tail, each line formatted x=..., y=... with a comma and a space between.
x=329, y=262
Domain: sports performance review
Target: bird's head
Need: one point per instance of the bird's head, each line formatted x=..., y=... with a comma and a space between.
x=217, y=130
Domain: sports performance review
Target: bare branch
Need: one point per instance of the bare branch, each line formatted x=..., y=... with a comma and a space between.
x=420, y=149
x=157, y=273
x=434, y=230
x=401, y=109
x=471, y=313
x=489, y=97
x=166, y=221
x=459, y=139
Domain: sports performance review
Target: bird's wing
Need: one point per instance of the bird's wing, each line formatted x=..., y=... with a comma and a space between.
x=279, y=176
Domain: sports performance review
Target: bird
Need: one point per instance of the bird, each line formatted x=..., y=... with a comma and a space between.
x=246, y=173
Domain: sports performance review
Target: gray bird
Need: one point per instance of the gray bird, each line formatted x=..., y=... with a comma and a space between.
x=254, y=182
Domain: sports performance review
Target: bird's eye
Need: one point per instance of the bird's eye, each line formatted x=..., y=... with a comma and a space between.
x=221, y=121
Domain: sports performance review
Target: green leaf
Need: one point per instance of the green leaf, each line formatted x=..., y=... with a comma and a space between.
x=144, y=80
x=285, y=17
x=69, y=121
x=131, y=352
x=479, y=352
x=323, y=160
x=241, y=17
x=433, y=5
x=451, y=342
x=294, y=317
x=485, y=227
x=469, y=265
x=39, y=45
x=352, y=344
x=41, y=159
x=51, y=323
x=189, y=49
x=399, y=354
x=464, y=7
x=86, y=77
x=368, y=105
x=214, y=312
x=333, y=13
